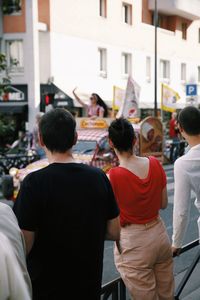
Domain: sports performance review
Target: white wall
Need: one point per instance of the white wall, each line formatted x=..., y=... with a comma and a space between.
x=69, y=53
x=74, y=62
x=44, y=57
x=78, y=31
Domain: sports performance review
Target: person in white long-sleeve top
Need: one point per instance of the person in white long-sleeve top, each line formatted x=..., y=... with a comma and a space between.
x=10, y=228
x=12, y=282
x=186, y=175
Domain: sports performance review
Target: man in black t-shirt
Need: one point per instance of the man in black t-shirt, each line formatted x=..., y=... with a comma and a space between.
x=65, y=211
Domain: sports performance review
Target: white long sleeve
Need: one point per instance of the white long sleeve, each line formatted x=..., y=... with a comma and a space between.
x=182, y=202
x=186, y=179
x=12, y=282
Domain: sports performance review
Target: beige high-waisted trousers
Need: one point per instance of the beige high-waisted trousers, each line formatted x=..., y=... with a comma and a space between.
x=145, y=263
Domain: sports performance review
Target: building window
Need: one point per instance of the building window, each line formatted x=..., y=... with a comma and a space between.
x=165, y=70
x=126, y=64
x=14, y=53
x=11, y=7
x=148, y=69
x=198, y=73
x=102, y=62
x=127, y=13
x=103, y=8
x=184, y=31
x=183, y=72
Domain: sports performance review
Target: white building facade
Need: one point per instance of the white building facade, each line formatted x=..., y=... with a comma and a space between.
x=95, y=44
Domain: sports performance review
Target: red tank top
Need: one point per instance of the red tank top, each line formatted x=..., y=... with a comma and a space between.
x=139, y=200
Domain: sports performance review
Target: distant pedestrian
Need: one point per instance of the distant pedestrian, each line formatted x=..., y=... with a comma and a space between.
x=186, y=175
x=65, y=210
x=174, y=135
x=143, y=255
x=13, y=258
x=96, y=108
x=36, y=142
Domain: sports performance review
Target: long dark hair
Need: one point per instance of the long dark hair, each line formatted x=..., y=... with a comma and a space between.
x=102, y=104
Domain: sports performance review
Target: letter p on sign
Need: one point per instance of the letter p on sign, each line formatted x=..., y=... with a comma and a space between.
x=191, y=90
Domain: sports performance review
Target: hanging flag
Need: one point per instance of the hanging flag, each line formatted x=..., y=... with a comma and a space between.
x=169, y=98
x=129, y=107
x=118, y=96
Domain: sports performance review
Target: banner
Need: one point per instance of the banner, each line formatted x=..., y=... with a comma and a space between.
x=118, y=96
x=129, y=107
x=169, y=98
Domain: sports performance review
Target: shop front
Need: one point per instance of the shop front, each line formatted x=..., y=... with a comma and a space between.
x=13, y=113
x=53, y=97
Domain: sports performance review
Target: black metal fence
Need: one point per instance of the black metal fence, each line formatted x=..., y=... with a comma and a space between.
x=190, y=269
x=18, y=161
x=116, y=289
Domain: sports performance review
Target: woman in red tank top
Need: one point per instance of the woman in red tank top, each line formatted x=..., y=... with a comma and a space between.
x=143, y=255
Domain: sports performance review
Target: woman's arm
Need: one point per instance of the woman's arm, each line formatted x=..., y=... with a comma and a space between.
x=78, y=99
x=113, y=229
x=29, y=237
x=101, y=112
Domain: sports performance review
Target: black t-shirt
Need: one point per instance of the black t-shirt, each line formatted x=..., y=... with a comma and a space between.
x=67, y=205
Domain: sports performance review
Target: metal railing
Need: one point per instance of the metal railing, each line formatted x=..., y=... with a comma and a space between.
x=17, y=160
x=117, y=290
x=190, y=269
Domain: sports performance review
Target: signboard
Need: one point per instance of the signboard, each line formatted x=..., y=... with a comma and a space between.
x=14, y=93
x=93, y=124
x=134, y=120
x=193, y=100
x=151, y=138
x=191, y=90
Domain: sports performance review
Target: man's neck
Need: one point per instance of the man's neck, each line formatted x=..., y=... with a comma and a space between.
x=57, y=157
x=193, y=140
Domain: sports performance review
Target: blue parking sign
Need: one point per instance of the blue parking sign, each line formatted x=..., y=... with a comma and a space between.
x=191, y=90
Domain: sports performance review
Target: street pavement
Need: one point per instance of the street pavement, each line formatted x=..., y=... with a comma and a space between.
x=181, y=263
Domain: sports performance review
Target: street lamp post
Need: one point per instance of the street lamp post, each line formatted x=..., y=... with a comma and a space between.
x=155, y=66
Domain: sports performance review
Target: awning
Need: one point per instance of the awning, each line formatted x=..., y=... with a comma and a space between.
x=67, y=89
x=60, y=98
x=14, y=107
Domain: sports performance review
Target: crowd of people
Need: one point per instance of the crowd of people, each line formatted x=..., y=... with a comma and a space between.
x=53, y=239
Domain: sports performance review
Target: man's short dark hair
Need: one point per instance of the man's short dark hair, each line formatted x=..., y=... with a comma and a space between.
x=57, y=128
x=122, y=134
x=189, y=120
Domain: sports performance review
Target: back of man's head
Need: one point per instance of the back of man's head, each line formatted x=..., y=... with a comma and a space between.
x=189, y=120
x=58, y=129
